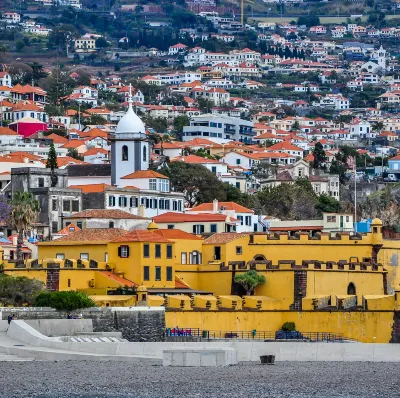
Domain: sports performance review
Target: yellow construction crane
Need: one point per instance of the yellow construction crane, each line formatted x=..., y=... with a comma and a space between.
x=242, y=10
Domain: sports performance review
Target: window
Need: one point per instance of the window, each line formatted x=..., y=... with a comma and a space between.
x=194, y=257
x=54, y=226
x=40, y=182
x=238, y=161
x=169, y=273
x=153, y=184
x=60, y=256
x=144, y=154
x=214, y=169
x=240, y=218
x=54, y=204
x=170, y=226
x=238, y=250
x=122, y=201
x=66, y=205
x=169, y=251
x=146, y=273
x=158, y=273
x=158, y=251
x=69, y=282
x=248, y=220
x=213, y=228
x=84, y=256
x=133, y=201
x=124, y=153
x=163, y=185
x=106, y=257
x=111, y=201
x=183, y=258
x=198, y=229
x=217, y=253
x=123, y=251
x=347, y=218
x=79, y=224
x=331, y=218
x=75, y=205
x=111, y=224
x=146, y=251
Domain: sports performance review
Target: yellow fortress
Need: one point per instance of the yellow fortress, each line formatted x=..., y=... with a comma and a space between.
x=330, y=282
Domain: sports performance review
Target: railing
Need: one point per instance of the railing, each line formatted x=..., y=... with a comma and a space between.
x=279, y=335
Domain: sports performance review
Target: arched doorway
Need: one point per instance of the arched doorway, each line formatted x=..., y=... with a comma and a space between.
x=351, y=289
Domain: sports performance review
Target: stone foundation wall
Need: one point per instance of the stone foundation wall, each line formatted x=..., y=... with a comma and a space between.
x=135, y=324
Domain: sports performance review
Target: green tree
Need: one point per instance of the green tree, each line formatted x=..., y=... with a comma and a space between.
x=233, y=194
x=158, y=124
x=205, y=105
x=250, y=281
x=295, y=126
x=308, y=20
x=57, y=85
x=289, y=201
x=73, y=153
x=95, y=120
x=19, y=45
x=64, y=301
x=198, y=184
x=179, y=123
x=101, y=42
x=19, y=291
x=319, y=156
x=51, y=162
x=24, y=209
x=327, y=204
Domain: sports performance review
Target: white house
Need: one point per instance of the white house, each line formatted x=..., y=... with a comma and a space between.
x=11, y=17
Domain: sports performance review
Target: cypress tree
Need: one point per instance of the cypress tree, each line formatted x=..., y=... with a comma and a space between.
x=52, y=158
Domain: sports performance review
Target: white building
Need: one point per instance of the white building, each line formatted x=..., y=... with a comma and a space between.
x=219, y=129
x=11, y=17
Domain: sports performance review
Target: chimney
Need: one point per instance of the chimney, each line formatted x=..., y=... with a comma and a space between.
x=215, y=206
x=142, y=211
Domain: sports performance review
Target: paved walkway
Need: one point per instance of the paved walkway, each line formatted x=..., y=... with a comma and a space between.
x=14, y=348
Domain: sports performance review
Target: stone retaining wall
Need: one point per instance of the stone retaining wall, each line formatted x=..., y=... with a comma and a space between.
x=135, y=324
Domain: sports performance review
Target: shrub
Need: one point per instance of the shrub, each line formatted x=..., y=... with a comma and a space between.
x=67, y=301
x=289, y=327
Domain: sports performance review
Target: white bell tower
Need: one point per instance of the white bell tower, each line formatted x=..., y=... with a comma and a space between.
x=130, y=148
x=379, y=56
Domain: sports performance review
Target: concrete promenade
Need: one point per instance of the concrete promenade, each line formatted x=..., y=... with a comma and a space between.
x=23, y=340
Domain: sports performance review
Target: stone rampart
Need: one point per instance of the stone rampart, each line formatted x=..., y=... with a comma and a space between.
x=135, y=324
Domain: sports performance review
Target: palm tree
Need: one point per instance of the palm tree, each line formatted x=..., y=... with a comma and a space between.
x=24, y=209
x=378, y=126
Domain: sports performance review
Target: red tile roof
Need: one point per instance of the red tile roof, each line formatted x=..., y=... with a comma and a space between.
x=89, y=236
x=144, y=174
x=193, y=159
x=141, y=235
x=7, y=131
x=176, y=234
x=228, y=206
x=119, y=279
x=91, y=187
x=69, y=229
x=224, y=237
x=172, y=217
x=106, y=213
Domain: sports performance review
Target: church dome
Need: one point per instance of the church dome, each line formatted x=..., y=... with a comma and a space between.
x=130, y=123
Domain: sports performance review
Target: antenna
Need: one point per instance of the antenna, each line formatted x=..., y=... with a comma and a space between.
x=130, y=99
